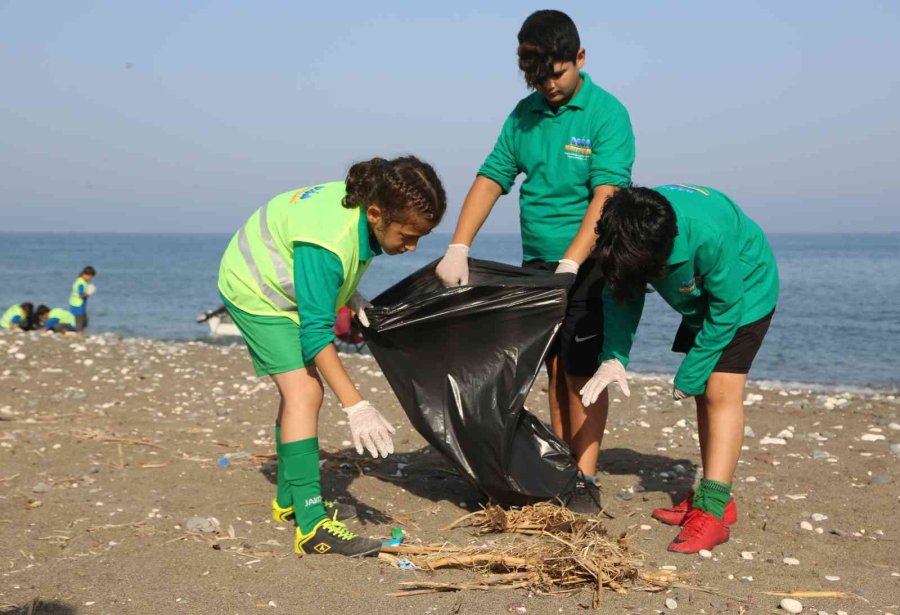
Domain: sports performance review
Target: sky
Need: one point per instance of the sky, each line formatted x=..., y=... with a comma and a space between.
x=186, y=116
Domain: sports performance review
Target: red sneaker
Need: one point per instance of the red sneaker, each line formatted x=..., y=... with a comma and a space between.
x=701, y=531
x=676, y=515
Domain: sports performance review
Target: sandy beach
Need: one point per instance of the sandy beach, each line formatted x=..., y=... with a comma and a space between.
x=134, y=478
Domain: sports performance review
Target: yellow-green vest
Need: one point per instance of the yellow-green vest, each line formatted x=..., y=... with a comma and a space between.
x=6, y=319
x=75, y=299
x=63, y=315
x=257, y=269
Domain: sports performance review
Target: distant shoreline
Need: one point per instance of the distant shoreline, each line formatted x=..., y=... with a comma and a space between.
x=761, y=383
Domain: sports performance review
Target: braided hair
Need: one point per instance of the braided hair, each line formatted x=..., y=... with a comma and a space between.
x=401, y=187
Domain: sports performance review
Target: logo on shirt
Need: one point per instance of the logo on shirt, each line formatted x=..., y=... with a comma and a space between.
x=578, y=148
x=690, y=285
x=305, y=193
x=687, y=188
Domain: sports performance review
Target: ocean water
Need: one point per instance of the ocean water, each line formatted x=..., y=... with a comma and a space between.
x=837, y=322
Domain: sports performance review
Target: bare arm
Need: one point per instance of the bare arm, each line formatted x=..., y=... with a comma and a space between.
x=329, y=365
x=478, y=205
x=583, y=244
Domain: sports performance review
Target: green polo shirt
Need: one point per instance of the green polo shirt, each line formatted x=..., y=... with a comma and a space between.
x=721, y=275
x=564, y=153
x=318, y=277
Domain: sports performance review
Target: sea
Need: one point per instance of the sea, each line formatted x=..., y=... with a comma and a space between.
x=837, y=325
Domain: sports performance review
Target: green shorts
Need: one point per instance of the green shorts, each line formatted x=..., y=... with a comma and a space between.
x=273, y=341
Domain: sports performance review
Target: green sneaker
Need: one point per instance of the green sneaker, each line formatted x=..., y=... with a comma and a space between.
x=283, y=515
x=330, y=536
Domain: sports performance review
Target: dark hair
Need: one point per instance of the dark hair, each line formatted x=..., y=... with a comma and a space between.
x=636, y=232
x=401, y=187
x=88, y=270
x=27, y=306
x=42, y=309
x=546, y=37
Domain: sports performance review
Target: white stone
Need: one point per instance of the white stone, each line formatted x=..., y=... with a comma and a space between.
x=872, y=437
x=746, y=555
x=831, y=577
x=806, y=525
x=786, y=433
x=769, y=440
x=791, y=561
x=791, y=606
x=819, y=517
x=671, y=604
x=894, y=426
x=705, y=554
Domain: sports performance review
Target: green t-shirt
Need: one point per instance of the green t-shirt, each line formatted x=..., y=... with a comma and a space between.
x=564, y=154
x=721, y=275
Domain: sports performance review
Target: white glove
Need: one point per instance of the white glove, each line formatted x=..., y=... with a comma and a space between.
x=358, y=304
x=566, y=266
x=370, y=429
x=453, y=270
x=609, y=371
x=679, y=394
x=90, y=290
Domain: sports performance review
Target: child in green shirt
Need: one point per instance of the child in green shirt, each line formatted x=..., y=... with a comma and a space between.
x=283, y=277
x=714, y=266
x=574, y=143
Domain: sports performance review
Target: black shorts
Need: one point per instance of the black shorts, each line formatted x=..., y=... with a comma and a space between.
x=580, y=339
x=738, y=355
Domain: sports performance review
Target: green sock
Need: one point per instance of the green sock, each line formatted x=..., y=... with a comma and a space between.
x=283, y=493
x=301, y=476
x=712, y=497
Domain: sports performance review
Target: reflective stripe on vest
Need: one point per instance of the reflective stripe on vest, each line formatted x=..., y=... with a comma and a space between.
x=280, y=301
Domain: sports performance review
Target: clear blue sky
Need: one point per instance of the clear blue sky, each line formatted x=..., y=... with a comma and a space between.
x=186, y=116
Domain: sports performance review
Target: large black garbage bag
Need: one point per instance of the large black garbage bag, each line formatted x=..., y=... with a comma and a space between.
x=462, y=360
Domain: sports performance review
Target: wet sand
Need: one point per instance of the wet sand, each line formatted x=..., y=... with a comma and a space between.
x=109, y=447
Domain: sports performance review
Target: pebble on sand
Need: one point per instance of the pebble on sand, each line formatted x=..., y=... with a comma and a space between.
x=705, y=554
x=671, y=604
x=746, y=555
x=791, y=561
x=769, y=440
x=791, y=606
x=806, y=525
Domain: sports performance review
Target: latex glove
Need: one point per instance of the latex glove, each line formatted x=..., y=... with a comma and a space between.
x=90, y=290
x=567, y=266
x=679, y=394
x=358, y=304
x=609, y=371
x=453, y=270
x=370, y=429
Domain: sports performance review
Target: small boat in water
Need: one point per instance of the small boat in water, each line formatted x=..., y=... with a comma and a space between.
x=349, y=336
x=220, y=323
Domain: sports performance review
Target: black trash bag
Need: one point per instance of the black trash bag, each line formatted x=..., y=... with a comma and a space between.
x=462, y=360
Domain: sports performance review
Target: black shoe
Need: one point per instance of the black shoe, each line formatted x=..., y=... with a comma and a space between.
x=330, y=536
x=585, y=498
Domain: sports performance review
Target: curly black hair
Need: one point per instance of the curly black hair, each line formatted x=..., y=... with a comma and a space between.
x=401, y=187
x=636, y=232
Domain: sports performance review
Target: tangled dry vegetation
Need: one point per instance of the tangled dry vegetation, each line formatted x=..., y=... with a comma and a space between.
x=563, y=553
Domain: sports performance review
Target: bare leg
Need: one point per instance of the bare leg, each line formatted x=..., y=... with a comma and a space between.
x=559, y=399
x=587, y=424
x=721, y=411
x=702, y=427
x=301, y=397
